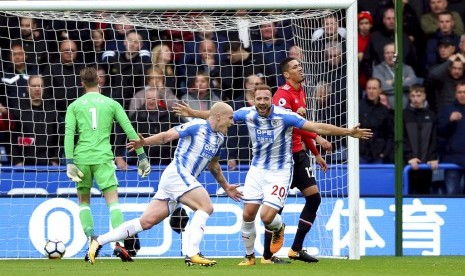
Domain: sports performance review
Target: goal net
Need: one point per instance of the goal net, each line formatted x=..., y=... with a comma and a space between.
x=150, y=56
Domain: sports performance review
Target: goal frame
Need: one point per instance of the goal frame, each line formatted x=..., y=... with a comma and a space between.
x=352, y=65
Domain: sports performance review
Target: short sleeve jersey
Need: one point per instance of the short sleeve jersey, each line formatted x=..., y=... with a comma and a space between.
x=270, y=136
x=289, y=98
x=197, y=145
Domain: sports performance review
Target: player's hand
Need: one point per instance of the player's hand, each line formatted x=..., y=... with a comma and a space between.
x=360, y=133
x=320, y=161
x=135, y=144
x=182, y=109
x=73, y=172
x=325, y=144
x=144, y=168
x=233, y=192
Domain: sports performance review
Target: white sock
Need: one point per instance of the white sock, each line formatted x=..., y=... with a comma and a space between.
x=196, y=230
x=249, y=234
x=275, y=224
x=125, y=230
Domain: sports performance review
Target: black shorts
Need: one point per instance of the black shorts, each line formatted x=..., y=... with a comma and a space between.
x=303, y=174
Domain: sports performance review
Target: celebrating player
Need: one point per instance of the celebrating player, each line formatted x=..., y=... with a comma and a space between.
x=91, y=116
x=268, y=179
x=292, y=96
x=198, y=146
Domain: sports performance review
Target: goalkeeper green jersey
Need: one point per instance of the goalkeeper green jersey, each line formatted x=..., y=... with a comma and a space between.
x=91, y=116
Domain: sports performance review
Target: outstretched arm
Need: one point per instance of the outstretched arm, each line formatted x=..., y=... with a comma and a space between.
x=332, y=130
x=215, y=170
x=157, y=139
x=184, y=110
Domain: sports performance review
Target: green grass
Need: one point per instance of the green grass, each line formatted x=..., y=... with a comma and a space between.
x=450, y=265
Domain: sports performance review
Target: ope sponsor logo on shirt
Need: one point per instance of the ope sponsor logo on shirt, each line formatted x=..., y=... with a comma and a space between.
x=208, y=151
x=264, y=135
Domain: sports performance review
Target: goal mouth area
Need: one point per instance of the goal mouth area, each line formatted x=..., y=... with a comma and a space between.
x=50, y=191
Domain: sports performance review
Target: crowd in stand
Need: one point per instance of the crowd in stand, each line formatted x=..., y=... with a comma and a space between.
x=149, y=70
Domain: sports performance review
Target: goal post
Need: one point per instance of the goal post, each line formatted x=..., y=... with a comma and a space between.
x=35, y=191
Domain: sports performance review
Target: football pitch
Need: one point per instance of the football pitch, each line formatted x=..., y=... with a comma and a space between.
x=444, y=265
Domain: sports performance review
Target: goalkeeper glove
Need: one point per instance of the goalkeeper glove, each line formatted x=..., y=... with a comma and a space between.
x=73, y=172
x=144, y=167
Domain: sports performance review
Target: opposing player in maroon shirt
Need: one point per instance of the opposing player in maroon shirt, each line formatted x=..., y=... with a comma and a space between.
x=292, y=96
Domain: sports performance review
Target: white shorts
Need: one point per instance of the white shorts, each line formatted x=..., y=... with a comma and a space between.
x=173, y=184
x=269, y=187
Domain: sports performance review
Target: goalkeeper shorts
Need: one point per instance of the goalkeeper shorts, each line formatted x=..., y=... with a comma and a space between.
x=103, y=174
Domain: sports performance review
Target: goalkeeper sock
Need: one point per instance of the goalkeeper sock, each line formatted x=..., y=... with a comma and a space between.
x=248, y=236
x=116, y=217
x=196, y=231
x=87, y=222
x=124, y=231
x=307, y=217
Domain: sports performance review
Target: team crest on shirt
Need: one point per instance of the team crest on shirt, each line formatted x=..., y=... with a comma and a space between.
x=274, y=123
x=282, y=102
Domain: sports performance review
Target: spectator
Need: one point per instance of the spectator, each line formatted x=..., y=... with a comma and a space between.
x=150, y=119
x=374, y=51
x=63, y=76
x=420, y=140
x=238, y=141
x=116, y=41
x=35, y=138
x=365, y=23
x=443, y=79
x=451, y=128
x=192, y=48
x=333, y=72
x=95, y=54
x=15, y=76
x=328, y=111
x=385, y=72
x=443, y=36
x=200, y=96
x=6, y=127
x=296, y=52
x=273, y=48
x=240, y=64
x=33, y=42
x=207, y=63
x=162, y=58
x=429, y=21
x=462, y=45
x=105, y=89
x=154, y=79
x=375, y=116
x=127, y=68
x=445, y=49
x=330, y=32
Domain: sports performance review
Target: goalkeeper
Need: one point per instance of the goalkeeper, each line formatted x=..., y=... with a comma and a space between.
x=91, y=116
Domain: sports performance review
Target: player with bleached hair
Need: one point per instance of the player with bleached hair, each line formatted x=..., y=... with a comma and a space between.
x=268, y=179
x=198, y=147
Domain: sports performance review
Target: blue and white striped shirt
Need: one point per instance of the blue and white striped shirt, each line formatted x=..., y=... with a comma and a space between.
x=197, y=145
x=271, y=136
